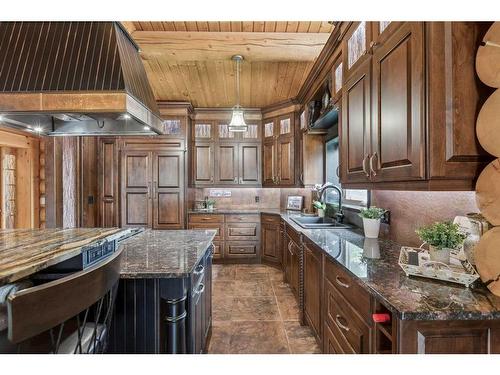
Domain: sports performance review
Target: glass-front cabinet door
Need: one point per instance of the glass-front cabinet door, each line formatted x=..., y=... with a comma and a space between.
x=203, y=131
x=269, y=129
x=356, y=45
x=252, y=133
x=223, y=132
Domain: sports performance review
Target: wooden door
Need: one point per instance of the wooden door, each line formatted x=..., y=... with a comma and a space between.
x=136, y=189
x=271, y=242
x=355, y=126
x=286, y=161
x=203, y=163
x=249, y=164
x=168, y=190
x=226, y=164
x=312, y=289
x=397, y=131
x=269, y=162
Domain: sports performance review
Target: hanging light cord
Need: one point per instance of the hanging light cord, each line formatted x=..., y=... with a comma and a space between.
x=238, y=82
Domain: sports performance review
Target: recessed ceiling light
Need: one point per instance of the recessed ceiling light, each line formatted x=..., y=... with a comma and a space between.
x=38, y=129
x=146, y=128
x=126, y=116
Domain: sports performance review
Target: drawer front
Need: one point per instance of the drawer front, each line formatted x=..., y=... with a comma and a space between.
x=295, y=236
x=219, y=236
x=240, y=249
x=351, y=290
x=218, y=247
x=270, y=219
x=331, y=343
x=250, y=218
x=243, y=232
x=206, y=218
x=347, y=326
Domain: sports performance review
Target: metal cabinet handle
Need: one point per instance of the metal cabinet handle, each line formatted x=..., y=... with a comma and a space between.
x=235, y=180
x=149, y=190
x=364, y=166
x=341, y=283
x=241, y=180
x=337, y=171
x=200, y=269
x=200, y=289
x=205, y=218
x=371, y=164
x=343, y=326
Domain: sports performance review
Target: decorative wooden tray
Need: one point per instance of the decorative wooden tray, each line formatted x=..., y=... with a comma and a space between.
x=458, y=271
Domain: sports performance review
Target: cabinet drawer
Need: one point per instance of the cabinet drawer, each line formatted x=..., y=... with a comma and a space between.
x=218, y=227
x=331, y=344
x=218, y=246
x=350, y=290
x=206, y=218
x=270, y=219
x=348, y=327
x=240, y=249
x=250, y=218
x=293, y=234
x=243, y=232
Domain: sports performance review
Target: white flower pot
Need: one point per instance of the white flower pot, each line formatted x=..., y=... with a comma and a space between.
x=439, y=255
x=321, y=213
x=371, y=227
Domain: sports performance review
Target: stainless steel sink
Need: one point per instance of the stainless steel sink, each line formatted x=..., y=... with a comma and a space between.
x=316, y=222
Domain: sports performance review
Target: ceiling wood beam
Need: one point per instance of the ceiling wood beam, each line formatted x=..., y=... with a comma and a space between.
x=254, y=46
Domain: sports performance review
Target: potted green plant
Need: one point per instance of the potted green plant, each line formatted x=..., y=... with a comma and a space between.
x=320, y=206
x=371, y=220
x=441, y=238
x=210, y=204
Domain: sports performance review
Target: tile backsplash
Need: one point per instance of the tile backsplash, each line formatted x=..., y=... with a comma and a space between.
x=245, y=198
x=413, y=209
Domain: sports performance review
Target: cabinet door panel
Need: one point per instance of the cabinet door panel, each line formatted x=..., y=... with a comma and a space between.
x=168, y=190
x=136, y=188
x=355, y=127
x=269, y=162
x=203, y=163
x=286, y=165
x=249, y=163
x=108, y=182
x=227, y=164
x=312, y=289
x=398, y=135
x=271, y=242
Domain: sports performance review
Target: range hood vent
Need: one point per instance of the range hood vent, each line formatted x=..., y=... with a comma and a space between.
x=74, y=78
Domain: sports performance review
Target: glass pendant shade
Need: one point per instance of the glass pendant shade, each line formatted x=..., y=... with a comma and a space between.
x=238, y=121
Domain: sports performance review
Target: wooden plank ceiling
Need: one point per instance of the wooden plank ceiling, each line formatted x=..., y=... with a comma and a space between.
x=190, y=61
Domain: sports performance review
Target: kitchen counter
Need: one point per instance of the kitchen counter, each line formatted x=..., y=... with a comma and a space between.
x=374, y=263
x=221, y=211
x=164, y=254
x=24, y=252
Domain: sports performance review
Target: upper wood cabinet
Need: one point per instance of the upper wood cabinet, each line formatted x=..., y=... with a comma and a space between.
x=279, y=151
x=390, y=137
x=223, y=158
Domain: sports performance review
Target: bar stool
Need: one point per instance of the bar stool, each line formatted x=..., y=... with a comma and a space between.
x=69, y=315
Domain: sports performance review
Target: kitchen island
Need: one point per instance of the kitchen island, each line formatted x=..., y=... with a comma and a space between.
x=164, y=302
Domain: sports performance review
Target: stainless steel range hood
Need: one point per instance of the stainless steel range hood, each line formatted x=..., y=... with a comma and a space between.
x=74, y=78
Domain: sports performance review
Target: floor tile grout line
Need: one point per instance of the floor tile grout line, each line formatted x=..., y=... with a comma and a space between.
x=281, y=317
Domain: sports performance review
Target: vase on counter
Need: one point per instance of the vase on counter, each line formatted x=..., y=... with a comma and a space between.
x=439, y=255
x=371, y=227
x=321, y=212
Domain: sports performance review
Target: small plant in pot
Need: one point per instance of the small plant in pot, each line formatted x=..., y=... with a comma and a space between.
x=442, y=237
x=371, y=220
x=320, y=206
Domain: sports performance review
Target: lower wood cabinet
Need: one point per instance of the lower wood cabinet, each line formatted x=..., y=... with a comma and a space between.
x=313, y=277
x=238, y=236
x=292, y=261
x=271, y=238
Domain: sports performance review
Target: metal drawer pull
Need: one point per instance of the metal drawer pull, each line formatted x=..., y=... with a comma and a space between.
x=341, y=283
x=206, y=218
x=200, y=289
x=371, y=164
x=199, y=270
x=364, y=166
x=344, y=327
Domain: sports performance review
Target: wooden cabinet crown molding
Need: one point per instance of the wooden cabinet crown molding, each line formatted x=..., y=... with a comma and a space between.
x=224, y=114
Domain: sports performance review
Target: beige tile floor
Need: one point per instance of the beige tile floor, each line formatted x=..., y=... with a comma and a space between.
x=254, y=312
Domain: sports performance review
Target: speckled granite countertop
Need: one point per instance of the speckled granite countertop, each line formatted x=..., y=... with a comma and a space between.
x=374, y=263
x=164, y=253
x=24, y=252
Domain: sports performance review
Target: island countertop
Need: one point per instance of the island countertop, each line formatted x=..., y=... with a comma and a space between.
x=164, y=254
x=24, y=252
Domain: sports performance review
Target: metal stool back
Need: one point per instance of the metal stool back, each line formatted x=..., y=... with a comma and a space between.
x=72, y=314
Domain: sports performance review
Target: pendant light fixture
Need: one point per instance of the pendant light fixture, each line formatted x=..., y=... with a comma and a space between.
x=237, y=121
